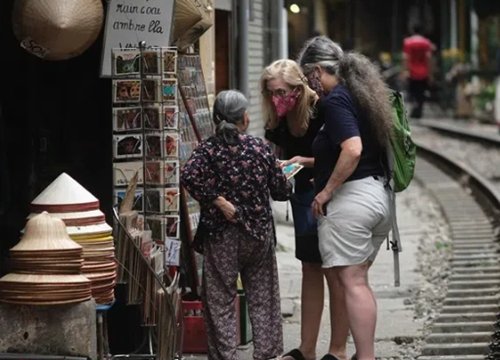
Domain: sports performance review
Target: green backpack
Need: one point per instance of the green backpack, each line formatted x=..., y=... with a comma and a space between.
x=401, y=158
x=404, y=150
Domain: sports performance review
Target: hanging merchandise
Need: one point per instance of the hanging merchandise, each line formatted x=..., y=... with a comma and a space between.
x=194, y=32
x=67, y=200
x=57, y=29
x=186, y=15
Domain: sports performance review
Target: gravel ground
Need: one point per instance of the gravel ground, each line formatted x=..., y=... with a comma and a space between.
x=434, y=251
x=483, y=158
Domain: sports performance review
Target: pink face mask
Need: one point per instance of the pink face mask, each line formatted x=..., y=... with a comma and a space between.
x=283, y=104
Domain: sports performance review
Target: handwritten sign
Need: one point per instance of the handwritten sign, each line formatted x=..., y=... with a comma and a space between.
x=128, y=22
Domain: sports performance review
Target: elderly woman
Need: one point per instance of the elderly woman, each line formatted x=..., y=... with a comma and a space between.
x=232, y=175
x=352, y=201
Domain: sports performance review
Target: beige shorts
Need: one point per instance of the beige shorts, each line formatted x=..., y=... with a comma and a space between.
x=357, y=221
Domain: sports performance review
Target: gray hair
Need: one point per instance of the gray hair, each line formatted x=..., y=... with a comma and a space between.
x=359, y=75
x=321, y=51
x=229, y=110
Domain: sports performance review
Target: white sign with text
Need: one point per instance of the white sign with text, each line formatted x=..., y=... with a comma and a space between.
x=128, y=22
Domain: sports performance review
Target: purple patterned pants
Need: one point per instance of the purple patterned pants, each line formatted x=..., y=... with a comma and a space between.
x=224, y=257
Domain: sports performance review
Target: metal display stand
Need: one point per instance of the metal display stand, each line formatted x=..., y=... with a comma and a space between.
x=146, y=151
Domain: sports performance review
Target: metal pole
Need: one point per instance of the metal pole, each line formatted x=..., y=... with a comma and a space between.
x=243, y=9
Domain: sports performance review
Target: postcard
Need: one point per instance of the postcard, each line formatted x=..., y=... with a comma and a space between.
x=170, y=117
x=172, y=199
x=126, y=62
x=172, y=252
x=126, y=91
x=151, y=62
x=172, y=144
x=153, y=145
x=151, y=115
x=127, y=146
x=171, y=172
x=124, y=171
x=127, y=119
x=153, y=200
x=138, y=198
x=156, y=224
x=154, y=172
x=169, y=90
x=151, y=90
x=172, y=226
x=169, y=61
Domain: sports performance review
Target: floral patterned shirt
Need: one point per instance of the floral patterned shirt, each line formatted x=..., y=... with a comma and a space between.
x=245, y=174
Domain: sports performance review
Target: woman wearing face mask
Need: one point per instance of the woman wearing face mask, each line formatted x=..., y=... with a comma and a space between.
x=352, y=202
x=288, y=105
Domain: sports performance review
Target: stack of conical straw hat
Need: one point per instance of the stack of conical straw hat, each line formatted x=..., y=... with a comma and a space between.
x=67, y=200
x=46, y=265
x=46, y=248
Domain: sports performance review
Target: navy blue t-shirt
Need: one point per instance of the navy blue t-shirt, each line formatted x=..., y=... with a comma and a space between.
x=343, y=120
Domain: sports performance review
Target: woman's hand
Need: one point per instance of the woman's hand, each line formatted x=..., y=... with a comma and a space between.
x=319, y=203
x=301, y=160
x=226, y=207
x=295, y=160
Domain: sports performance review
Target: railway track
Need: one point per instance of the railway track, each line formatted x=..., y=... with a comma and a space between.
x=467, y=325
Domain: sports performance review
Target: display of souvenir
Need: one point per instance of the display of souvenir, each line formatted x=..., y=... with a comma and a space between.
x=172, y=227
x=169, y=62
x=124, y=171
x=154, y=172
x=169, y=90
x=127, y=119
x=152, y=117
x=127, y=146
x=172, y=144
x=126, y=61
x=172, y=199
x=151, y=90
x=138, y=198
x=170, y=117
x=151, y=62
x=126, y=91
x=171, y=172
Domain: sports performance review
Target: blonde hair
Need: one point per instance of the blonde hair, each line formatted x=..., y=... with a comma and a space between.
x=290, y=72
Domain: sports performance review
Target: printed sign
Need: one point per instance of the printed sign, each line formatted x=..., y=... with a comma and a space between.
x=128, y=22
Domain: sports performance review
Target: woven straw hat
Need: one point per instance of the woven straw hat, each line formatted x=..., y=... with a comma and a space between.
x=193, y=33
x=186, y=15
x=64, y=194
x=58, y=29
x=43, y=233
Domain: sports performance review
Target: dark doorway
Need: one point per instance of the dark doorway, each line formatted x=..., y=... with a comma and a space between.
x=55, y=117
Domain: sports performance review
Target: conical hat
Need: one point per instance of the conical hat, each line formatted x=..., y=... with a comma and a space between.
x=78, y=218
x=44, y=232
x=78, y=231
x=64, y=194
x=186, y=15
x=57, y=29
x=188, y=38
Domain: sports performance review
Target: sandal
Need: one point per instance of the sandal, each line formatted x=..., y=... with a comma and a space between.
x=329, y=357
x=354, y=357
x=296, y=354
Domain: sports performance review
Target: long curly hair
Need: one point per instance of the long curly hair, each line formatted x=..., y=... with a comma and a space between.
x=359, y=75
x=288, y=71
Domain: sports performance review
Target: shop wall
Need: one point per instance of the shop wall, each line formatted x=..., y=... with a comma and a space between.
x=255, y=66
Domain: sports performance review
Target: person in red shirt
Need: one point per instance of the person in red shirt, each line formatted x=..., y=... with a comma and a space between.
x=417, y=51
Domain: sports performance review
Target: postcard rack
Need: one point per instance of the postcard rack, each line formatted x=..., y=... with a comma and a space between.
x=146, y=148
x=195, y=125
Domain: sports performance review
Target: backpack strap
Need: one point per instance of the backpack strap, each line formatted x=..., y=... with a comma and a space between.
x=396, y=240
